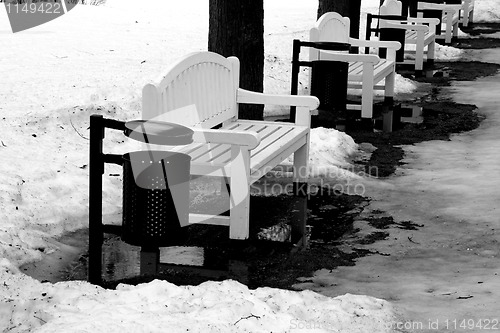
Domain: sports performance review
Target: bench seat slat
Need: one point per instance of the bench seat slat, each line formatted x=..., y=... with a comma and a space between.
x=211, y=153
x=263, y=157
x=381, y=70
x=274, y=137
x=411, y=37
x=277, y=134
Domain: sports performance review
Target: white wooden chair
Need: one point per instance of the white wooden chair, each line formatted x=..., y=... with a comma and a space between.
x=420, y=32
x=366, y=71
x=202, y=91
x=450, y=17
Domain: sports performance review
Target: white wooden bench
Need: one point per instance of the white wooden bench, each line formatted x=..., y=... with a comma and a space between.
x=450, y=18
x=202, y=91
x=420, y=32
x=366, y=71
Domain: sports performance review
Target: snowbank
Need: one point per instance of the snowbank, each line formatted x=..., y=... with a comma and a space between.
x=95, y=60
x=160, y=306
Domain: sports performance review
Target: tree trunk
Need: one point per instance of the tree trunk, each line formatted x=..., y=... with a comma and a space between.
x=236, y=28
x=350, y=8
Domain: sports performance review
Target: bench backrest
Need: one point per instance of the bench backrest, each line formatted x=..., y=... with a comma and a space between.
x=330, y=27
x=205, y=79
x=391, y=7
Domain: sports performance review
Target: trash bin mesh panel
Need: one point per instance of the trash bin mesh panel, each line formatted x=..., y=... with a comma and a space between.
x=329, y=84
x=150, y=216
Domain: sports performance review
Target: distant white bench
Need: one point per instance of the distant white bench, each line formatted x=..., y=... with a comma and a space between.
x=420, y=32
x=202, y=91
x=450, y=17
x=366, y=71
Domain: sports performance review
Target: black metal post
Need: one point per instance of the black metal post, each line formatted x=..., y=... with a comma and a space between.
x=369, y=19
x=295, y=74
x=96, y=170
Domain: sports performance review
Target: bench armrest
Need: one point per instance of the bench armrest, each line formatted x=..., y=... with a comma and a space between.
x=249, y=139
x=304, y=104
x=375, y=44
x=352, y=57
x=440, y=6
x=406, y=26
x=252, y=97
x=422, y=20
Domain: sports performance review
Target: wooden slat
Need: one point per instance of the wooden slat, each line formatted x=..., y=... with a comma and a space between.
x=207, y=152
x=209, y=219
x=268, y=141
x=210, y=169
x=381, y=70
x=274, y=160
x=264, y=156
x=222, y=154
x=219, y=154
x=411, y=37
x=355, y=68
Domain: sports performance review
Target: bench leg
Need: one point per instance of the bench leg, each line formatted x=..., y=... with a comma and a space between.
x=389, y=87
x=465, y=18
x=367, y=91
x=239, y=193
x=301, y=164
x=419, y=52
x=299, y=216
x=455, y=30
x=149, y=260
x=451, y=29
x=431, y=51
x=300, y=191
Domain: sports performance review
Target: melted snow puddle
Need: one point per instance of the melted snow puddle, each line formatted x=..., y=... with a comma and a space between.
x=120, y=260
x=446, y=272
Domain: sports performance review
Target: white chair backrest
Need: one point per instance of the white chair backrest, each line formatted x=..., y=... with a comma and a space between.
x=330, y=27
x=390, y=7
x=205, y=79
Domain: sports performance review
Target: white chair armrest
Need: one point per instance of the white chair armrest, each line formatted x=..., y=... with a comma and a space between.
x=252, y=97
x=406, y=26
x=439, y=6
x=351, y=57
x=421, y=20
x=249, y=139
x=376, y=44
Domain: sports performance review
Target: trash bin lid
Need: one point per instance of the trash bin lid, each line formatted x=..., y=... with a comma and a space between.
x=158, y=132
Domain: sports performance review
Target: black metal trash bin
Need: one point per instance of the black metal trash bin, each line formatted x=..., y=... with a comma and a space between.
x=434, y=13
x=391, y=34
x=329, y=84
x=155, y=197
x=409, y=7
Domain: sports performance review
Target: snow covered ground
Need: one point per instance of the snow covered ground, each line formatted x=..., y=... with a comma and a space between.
x=96, y=60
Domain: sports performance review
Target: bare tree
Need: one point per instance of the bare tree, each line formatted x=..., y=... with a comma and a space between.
x=236, y=28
